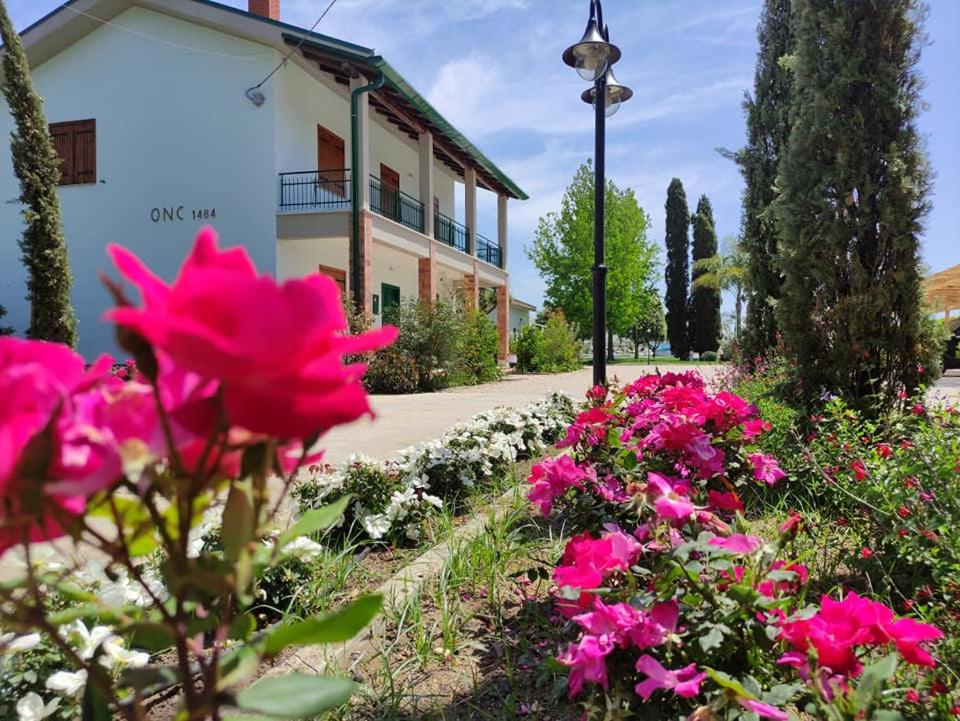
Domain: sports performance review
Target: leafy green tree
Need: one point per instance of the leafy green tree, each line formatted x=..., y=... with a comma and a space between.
x=678, y=269
x=705, y=324
x=853, y=194
x=722, y=272
x=651, y=329
x=36, y=164
x=4, y=329
x=767, y=114
x=563, y=253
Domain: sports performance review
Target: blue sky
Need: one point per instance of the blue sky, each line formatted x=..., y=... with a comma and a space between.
x=493, y=68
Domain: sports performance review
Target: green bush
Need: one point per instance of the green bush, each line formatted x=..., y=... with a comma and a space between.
x=477, y=359
x=709, y=356
x=554, y=348
x=391, y=371
x=432, y=335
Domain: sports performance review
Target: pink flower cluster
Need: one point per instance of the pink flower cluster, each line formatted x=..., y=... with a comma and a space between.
x=232, y=359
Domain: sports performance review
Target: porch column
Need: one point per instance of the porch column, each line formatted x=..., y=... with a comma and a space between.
x=426, y=181
x=366, y=261
x=502, y=227
x=362, y=171
x=470, y=207
x=471, y=287
x=427, y=277
x=503, y=321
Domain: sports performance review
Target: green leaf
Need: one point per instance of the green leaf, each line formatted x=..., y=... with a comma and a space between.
x=243, y=627
x=150, y=679
x=315, y=520
x=333, y=628
x=887, y=715
x=296, y=696
x=94, y=706
x=148, y=636
x=238, y=521
x=239, y=664
x=873, y=679
x=731, y=684
x=713, y=638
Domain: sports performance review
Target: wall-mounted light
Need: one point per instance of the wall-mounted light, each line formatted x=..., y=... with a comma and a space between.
x=256, y=97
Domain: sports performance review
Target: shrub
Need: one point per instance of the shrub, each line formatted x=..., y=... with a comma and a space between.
x=554, y=348
x=709, y=356
x=477, y=360
x=391, y=371
x=432, y=335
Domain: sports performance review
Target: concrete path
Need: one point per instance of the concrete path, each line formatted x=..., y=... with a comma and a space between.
x=949, y=386
x=404, y=420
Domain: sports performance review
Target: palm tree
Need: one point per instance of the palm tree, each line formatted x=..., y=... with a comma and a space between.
x=726, y=271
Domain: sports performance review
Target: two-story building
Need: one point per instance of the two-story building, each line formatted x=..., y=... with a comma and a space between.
x=313, y=153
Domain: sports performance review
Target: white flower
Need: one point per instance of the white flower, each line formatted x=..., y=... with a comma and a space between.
x=117, y=655
x=89, y=640
x=303, y=549
x=11, y=643
x=32, y=708
x=377, y=525
x=67, y=682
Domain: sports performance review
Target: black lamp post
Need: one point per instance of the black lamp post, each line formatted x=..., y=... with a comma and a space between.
x=593, y=58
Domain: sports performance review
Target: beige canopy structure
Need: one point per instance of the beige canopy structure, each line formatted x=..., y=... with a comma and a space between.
x=943, y=291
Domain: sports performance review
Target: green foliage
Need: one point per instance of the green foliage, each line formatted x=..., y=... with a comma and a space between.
x=705, y=325
x=709, y=356
x=391, y=371
x=563, y=253
x=853, y=195
x=35, y=163
x=477, y=359
x=768, y=129
x=431, y=333
x=554, y=348
x=4, y=329
x=678, y=269
x=651, y=329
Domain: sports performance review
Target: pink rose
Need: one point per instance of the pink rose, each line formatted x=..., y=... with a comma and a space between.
x=276, y=349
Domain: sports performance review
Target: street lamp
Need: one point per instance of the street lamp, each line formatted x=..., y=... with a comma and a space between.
x=593, y=58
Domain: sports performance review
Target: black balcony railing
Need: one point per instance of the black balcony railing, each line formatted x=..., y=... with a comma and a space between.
x=393, y=203
x=315, y=189
x=450, y=232
x=488, y=252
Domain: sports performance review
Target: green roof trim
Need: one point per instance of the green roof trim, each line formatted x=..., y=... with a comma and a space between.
x=396, y=81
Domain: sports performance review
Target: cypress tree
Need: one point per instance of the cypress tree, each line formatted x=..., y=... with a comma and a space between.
x=768, y=130
x=853, y=195
x=705, y=323
x=4, y=329
x=36, y=164
x=678, y=269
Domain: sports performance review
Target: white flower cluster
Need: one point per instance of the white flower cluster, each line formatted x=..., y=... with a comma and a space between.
x=431, y=473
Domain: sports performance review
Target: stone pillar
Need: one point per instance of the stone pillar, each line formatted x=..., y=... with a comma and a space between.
x=470, y=207
x=427, y=278
x=362, y=171
x=502, y=227
x=503, y=321
x=426, y=181
x=366, y=262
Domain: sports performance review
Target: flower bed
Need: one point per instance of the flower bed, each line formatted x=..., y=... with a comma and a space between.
x=390, y=499
x=668, y=600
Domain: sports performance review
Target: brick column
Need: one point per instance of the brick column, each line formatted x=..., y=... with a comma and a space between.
x=366, y=262
x=427, y=278
x=503, y=321
x=471, y=288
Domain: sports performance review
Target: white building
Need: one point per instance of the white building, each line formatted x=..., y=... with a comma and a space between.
x=156, y=110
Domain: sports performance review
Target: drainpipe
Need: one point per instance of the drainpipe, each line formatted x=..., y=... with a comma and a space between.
x=355, y=181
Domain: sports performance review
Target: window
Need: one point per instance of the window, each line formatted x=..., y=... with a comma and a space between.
x=76, y=144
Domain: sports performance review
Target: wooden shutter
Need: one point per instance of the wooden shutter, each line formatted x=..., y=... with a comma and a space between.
x=331, y=161
x=76, y=145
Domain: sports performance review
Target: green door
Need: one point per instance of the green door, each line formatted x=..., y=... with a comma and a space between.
x=389, y=299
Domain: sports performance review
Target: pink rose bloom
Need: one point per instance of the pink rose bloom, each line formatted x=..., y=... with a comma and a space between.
x=587, y=662
x=36, y=379
x=738, y=544
x=683, y=682
x=728, y=501
x=763, y=710
x=552, y=478
x=276, y=349
x=766, y=468
x=667, y=499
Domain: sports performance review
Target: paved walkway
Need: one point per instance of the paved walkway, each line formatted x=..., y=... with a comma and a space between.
x=949, y=385
x=407, y=419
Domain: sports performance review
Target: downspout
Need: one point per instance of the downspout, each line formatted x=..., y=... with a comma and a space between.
x=355, y=181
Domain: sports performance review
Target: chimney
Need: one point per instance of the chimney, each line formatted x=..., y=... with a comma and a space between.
x=265, y=8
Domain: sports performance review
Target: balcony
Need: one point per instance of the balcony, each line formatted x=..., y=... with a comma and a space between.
x=489, y=252
x=450, y=232
x=315, y=190
x=396, y=205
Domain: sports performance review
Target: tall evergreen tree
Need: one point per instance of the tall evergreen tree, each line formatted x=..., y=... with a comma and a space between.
x=36, y=164
x=705, y=323
x=768, y=130
x=678, y=268
x=853, y=195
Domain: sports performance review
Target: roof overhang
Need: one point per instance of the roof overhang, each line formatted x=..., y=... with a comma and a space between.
x=397, y=100
x=522, y=304
x=943, y=289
